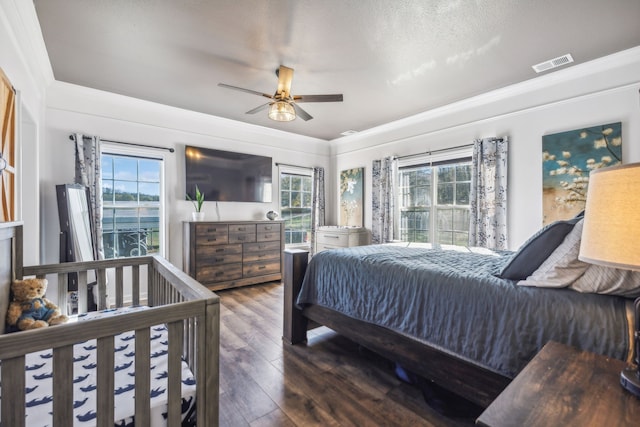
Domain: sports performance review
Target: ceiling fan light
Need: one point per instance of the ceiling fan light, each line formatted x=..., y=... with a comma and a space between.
x=281, y=111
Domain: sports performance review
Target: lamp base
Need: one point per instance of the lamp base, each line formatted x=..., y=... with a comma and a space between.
x=629, y=380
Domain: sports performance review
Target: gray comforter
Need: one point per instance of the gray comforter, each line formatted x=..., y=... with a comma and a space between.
x=452, y=300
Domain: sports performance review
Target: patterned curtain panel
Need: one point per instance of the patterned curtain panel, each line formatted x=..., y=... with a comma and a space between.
x=317, y=204
x=88, y=173
x=383, y=200
x=488, y=210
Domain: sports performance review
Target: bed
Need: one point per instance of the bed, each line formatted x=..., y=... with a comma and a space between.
x=164, y=353
x=444, y=315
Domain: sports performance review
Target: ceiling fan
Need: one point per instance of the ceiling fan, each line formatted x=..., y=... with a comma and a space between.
x=283, y=106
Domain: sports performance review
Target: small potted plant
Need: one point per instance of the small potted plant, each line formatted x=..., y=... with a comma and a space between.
x=198, y=215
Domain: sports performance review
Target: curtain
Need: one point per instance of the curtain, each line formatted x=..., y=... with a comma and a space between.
x=383, y=200
x=317, y=204
x=88, y=173
x=488, y=199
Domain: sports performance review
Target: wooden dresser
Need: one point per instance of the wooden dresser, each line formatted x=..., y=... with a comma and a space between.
x=331, y=237
x=224, y=255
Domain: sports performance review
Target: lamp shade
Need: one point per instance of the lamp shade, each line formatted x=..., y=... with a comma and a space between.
x=281, y=111
x=611, y=231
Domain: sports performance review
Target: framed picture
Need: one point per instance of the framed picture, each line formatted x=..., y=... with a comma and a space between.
x=7, y=150
x=351, y=198
x=567, y=159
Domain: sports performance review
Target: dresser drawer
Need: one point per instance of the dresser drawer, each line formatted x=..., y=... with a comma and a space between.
x=268, y=228
x=323, y=247
x=219, y=273
x=268, y=236
x=334, y=239
x=242, y=228
x=242, y=233
x=218, y=254
x=262, y=251
x=260, y=268
x=211, y=234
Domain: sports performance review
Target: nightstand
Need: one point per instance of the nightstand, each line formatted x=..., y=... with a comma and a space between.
x=564, y=386
x=331, y=237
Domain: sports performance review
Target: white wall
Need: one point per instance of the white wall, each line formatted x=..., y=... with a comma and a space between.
x=600, y=92
x=73, y=108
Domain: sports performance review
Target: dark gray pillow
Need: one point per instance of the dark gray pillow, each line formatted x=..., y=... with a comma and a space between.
x=535, y=250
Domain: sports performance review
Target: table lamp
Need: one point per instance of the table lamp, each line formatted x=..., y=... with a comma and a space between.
x=611, y=236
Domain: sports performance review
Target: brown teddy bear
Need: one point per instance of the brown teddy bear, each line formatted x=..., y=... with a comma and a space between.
x=29, y=308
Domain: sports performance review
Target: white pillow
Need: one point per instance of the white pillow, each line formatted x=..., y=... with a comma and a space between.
x=562, y=267
x=606, y=280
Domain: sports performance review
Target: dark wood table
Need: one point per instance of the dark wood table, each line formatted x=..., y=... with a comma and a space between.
x=564, y=386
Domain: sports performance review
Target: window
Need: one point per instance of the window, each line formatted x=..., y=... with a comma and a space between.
x=433, y=201
x=295, y=206
x=132, y=205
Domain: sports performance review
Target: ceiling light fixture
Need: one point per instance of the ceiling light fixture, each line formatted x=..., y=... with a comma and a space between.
x=282, y=111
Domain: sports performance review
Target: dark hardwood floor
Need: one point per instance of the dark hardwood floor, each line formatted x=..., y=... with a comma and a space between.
x=330, y=381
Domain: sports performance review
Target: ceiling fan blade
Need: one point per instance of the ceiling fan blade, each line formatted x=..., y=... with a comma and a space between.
x=260, y=108
x=318, y=98
x=245, y=90
x=285, y=75
x=301, y=113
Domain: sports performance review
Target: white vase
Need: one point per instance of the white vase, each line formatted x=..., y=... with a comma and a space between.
x=197, y=216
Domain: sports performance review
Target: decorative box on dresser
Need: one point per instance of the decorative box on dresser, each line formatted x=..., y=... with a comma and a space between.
x=224, y=255
x=331, y=237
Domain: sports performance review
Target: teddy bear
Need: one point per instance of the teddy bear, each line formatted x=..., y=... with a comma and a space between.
x=29, y=308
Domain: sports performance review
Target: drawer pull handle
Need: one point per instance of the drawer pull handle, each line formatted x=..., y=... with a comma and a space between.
x=262, y=267
x=241, y=228
x=212, y=229
x=211, y=239
x=268, y=227
x=266, y=236
x=333, y=237
x=219, y=273
x=219, y=259
x=220, y=250
x=241, y=237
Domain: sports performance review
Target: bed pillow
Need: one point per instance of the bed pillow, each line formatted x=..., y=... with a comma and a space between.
x=611, y=281
x=537, y=249
x=562, y=267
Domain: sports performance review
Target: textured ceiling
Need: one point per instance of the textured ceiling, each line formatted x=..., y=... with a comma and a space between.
x=390, y=59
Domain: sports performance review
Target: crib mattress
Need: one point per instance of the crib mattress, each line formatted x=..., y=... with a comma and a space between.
x=39, y=373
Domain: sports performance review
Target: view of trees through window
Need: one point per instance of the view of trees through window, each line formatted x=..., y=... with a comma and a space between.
x=295, y=207
x=131, y=205
x=433, y=203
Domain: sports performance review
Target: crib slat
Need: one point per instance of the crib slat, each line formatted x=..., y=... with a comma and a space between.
x=63, y=385
x=82, y=292
x=102, y=288
x=13, y=383
x=135, y=284
x=143, y=377
x=104, y=404
x=63, y=283
x=174, y=391
x=119, y=287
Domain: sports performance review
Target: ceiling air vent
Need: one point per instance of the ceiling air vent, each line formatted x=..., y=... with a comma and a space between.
x=553, y=63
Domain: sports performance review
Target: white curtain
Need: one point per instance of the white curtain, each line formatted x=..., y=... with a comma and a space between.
x=317, y=204
x=488, y=210
x=89, y=174
x=383, y=200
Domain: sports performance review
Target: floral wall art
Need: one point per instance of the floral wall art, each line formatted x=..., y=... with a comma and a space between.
x=567, y=159
x=351, y=203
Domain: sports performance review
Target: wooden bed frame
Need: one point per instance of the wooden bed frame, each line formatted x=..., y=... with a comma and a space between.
x=460, y=376
x=190, y=311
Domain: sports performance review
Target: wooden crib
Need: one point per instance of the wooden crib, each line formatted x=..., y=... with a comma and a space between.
x=190, y=312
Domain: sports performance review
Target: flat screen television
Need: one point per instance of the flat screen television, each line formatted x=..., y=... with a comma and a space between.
x=226, y=176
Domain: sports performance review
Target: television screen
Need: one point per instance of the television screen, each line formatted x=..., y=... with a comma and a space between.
x=226, y=176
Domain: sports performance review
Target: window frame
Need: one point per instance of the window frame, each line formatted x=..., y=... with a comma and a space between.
x=142, y=153
x=294, y=170
x=445, y=157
